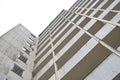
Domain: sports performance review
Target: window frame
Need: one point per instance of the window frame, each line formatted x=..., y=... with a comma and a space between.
x=22, y=58
x=26, y=50
x=17, y=70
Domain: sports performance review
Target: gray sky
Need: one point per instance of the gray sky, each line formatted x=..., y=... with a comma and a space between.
x=35, y=15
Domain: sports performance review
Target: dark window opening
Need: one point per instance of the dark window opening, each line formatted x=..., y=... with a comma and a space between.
x=33, y=35
x=19, y=71
x=28, y=43
x=31, y=39
x=26, y=50
x=22, y=58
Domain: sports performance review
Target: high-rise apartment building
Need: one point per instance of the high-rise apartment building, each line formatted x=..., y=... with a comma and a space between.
x=17, y=54
x=82, y=43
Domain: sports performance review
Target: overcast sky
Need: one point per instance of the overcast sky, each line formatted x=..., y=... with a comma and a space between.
x=35, y=15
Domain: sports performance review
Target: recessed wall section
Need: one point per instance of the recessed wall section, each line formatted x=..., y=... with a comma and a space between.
x=72, y=50
x=96, y=56
x=66, y=40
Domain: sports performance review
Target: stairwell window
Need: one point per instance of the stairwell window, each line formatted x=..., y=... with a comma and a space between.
x=26, y=50
x=22, y=58
x=33, y=35
x=16, y=69
x=28, y=43
x=31, y=40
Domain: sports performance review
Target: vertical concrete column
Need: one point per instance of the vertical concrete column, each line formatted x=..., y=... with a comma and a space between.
x=53, y=53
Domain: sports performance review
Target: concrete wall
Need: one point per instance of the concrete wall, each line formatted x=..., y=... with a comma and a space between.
x=11, y=44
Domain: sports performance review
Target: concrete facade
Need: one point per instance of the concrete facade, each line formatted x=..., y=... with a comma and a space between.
x=11, y=47
x=81, y=43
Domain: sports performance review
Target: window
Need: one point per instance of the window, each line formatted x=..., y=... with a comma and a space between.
x=28, y=43
x=26, y=50
x=33, y=35
x=31, y=39
x=16, y=69
x=22, y=58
